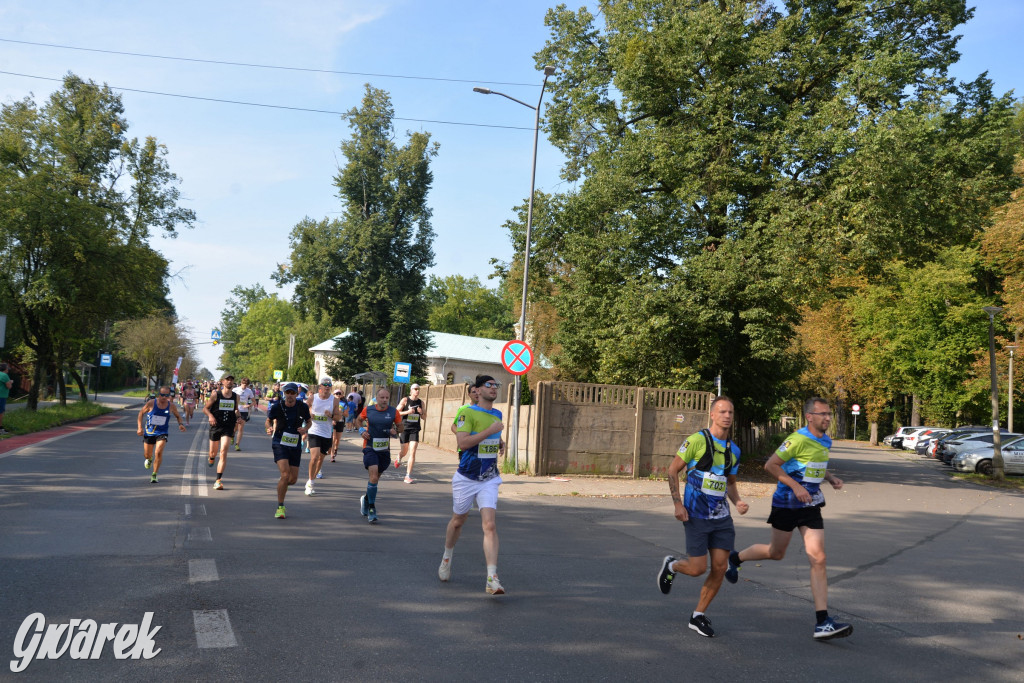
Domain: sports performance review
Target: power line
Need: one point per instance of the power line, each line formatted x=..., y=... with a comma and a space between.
x=273, y=106
x=258, y=66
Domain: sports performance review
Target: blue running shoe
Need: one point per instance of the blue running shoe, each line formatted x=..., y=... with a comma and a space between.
x=830, y=628
x=371, y=514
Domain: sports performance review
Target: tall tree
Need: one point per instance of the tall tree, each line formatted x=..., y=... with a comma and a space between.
x=719, y=153
x=460, y=305
x=365, y=271
x=155, y=343
x=78, y=202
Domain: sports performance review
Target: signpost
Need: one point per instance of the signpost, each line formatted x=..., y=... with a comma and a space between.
x=856, y=411
x=105, y=360
x=517, y=359
x=403, y=372
x=278, y=375
x=215, y=336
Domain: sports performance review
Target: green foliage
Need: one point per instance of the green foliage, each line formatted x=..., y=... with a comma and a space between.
x=154, y=344
x=365, y=271
x=78, y=203
x=29, y=421
x=460, y=305
x=731, y=160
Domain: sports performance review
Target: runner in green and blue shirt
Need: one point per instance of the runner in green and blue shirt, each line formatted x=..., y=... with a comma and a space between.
x=800, y=465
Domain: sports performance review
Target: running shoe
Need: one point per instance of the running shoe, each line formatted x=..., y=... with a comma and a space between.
x=149, y=461
x=409, y=480
x=830, y=628
x=332, y=458
x=218, y=485
x=371, y=514
x=210, y=461
x=665, y=575
x=444, y=572
x=238, y=447
x=702, y=625
x=732, y=574
x=153, y=479
x=494, y=586
x=362, y=506
x=320, y=475
x=309, y=489
x=398, y=464
x=281, y=512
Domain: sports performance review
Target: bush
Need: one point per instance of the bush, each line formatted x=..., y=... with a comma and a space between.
x=29, y=421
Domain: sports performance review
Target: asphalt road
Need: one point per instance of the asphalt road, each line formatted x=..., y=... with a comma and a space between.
x=928, y=570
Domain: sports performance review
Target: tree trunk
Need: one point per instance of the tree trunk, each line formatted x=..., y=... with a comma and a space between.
x=874, y=434
x=840, y=422
x=58, y=378
x=915, y=411
x=38, y=379
x=81, y=385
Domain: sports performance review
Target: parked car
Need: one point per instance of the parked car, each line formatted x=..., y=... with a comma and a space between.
x=897, y=439
x=924, y=443
x=888, y=440
x=960, y=432
x=910, y=440
x=980, y=459
x=973, y=441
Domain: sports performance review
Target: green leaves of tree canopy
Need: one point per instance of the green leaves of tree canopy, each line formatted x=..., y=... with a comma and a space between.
x=365, y=271
x=733, y=157
x=78, y=201
x=461, y=305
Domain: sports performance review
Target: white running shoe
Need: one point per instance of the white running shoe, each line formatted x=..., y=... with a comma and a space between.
x=309, y=489
x=444, y=572
x=494, y=586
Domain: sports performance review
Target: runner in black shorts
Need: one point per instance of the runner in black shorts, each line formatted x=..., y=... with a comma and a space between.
x=339, y=424
x=413, y=412
x=287, y=421
x=800, y=465
x=222, y=411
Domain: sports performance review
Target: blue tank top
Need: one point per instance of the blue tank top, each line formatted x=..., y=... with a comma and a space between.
x=158, y=420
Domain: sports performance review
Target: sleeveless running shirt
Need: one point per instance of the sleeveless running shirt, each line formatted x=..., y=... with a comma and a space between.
x=322, y=424
x=157, y=420
x=411, y=422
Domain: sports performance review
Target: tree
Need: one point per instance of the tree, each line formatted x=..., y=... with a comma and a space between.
x=155, y=343
x=365, y=271
x=76, y=198
x=719, y=154
x=236, y=306
x=460, y=305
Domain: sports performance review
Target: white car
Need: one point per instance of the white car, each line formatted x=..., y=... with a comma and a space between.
x=910, y=438
x=980, y=459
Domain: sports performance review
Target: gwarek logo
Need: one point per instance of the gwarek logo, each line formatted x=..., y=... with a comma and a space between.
x=81, y=639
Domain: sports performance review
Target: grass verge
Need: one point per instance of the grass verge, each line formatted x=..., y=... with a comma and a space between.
x=1011, y=482
x=28, y=421
x=138, y=393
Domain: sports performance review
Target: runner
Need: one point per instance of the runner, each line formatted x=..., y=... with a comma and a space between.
x=710, y=461
x=222, y=410
x=412, y=411
x=339, y=424
x=323, y=407
x=245, y=399
x=274, y=395
x=287, y=420
x=800, y=465
x=377, y=424
x=478, y=431
x=353, y=411
x=188, y=394
x=154, y=434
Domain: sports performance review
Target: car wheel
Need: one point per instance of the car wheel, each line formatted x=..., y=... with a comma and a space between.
x=984, y=467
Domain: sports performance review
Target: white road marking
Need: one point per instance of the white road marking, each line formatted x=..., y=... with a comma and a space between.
x=190, y=464
x=188, y=510
x=202, y=570
x=201, y=510
x=201, y=489
x=213, y=629
x=23, y=449
x=200, y=533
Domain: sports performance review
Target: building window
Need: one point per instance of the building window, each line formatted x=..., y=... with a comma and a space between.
x=449, y=378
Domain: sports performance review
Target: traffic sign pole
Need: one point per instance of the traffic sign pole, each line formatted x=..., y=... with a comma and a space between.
x=517, y=359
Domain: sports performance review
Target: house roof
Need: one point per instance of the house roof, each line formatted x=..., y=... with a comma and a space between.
x=452, y=346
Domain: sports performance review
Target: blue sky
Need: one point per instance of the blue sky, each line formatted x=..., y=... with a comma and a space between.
x=252, y=173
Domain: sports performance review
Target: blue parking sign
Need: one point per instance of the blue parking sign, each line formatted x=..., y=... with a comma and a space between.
x=105, y=359
x=403, y=372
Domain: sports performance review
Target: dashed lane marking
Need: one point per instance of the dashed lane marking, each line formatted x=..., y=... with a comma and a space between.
x=202, y=570
x=213, y=629
x=200, y=533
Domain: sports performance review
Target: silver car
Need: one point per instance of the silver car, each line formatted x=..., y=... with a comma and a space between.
x=980, y=459
x=973, y=441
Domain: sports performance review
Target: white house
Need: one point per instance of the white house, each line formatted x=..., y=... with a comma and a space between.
x=452, y=358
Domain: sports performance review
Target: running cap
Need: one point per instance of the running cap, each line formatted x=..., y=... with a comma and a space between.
x=290, y=386
x=326, y=382
x=415, y=386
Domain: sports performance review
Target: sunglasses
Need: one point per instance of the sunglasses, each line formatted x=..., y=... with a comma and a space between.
x=165, y=395
x=492, y=385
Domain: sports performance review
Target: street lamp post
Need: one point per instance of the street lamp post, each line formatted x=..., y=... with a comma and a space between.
x=1009, y=411
x=997, y=456
x=513, y=437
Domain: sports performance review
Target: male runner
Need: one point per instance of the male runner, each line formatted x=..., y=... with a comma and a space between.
x=287, y=421
x=377, y=424
x=478, y=431
x=710, y=480
x=323, y=407
x=800, y=465
x=222, y=410
x=245, y=398
x=413, y=412
x=154, y=434
x=339, y=424
x=353, y=411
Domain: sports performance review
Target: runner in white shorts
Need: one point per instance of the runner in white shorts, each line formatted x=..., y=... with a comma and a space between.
x=478, y=431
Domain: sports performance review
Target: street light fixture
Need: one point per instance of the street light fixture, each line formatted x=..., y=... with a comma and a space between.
x=513, y=437
x=997, y=456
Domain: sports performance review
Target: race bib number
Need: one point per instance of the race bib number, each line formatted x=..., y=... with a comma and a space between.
x=814, y=472
x=714, y=485
x=381, y=444
x=412, y=417
x=158, y=420
x=289, y=439
x=190, y=401
x=489, y=448
x=227, y=405
x=321, y=418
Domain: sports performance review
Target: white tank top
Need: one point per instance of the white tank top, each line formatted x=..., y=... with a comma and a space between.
x=322, y=426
